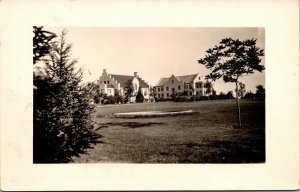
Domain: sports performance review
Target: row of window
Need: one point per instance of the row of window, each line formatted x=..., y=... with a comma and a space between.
x=105, y=82
x=168, y=95
x=186, y=86
x=167, y=88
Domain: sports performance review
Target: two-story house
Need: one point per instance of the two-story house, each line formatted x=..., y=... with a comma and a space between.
x=189, y=84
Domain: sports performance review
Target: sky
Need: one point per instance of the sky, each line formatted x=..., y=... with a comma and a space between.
x=154, y=52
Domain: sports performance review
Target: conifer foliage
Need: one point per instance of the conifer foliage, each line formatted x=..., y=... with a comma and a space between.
x=62, y=121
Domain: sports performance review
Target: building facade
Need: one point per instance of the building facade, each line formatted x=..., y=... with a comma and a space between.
x=110, y=84
x=176, y=85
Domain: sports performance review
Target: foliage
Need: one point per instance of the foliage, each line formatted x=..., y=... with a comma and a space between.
x=231, y=60
x=249, y=95
x=62, y=122
x=260, y=91
x=139, y=97
x=41, y=43
x=241, y=91
x=229, y=95
x=209, y=87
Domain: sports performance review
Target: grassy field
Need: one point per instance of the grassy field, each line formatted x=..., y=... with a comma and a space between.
x=208, y=136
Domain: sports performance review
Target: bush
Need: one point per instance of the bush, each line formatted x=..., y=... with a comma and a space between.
x=213, y=97
x=182, y=99
x=201, y=98
x=139, y=97
x=162, y=99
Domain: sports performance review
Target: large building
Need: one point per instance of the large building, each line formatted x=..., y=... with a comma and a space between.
x=190, y=84
x=109, y=84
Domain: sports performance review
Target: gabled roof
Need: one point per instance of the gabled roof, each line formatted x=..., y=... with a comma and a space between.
x=184, y=78
x=162, y=81
x=125, y=80
x=143, y=84
x=187, y=78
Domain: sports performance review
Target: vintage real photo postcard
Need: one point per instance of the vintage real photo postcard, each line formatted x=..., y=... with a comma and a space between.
x=158, y=102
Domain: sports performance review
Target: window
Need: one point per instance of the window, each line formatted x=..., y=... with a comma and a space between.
x=158, y=89
x=167, y=88
x=172, y=81
x=186, y=86
x=199, y=78
x=158, y=95
x=179, y=87
x=199, y=85
x=100, y=81
x=107, y=82
x=190, y=86
x=162, y=96
x=162, y=88
x=104, y=82
x=173, y=90
x=168, y=95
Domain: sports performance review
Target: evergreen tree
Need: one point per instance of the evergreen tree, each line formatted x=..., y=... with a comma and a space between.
x=62, y=124
x=139, y=97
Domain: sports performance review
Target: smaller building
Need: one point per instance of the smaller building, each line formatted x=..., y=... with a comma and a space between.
x=176, y=85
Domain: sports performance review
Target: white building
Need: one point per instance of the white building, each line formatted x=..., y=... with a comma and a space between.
x=110, y=83
x=190, y=84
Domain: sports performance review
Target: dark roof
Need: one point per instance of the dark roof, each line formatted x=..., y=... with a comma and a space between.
x=143, y=84
x=187, y=78
x=124, y=80
x=162, y=81
x=184, y=78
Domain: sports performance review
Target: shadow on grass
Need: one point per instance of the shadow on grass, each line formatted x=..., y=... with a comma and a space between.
x=222, y=152
x=127, y=124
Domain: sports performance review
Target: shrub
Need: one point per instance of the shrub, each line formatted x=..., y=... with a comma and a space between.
x=201, y=98
x=139, y=97
x=182, y=99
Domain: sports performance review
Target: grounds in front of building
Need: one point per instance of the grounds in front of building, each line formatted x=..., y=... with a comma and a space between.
x=207, y=136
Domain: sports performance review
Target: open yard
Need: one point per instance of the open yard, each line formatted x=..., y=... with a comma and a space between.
x=208, y=136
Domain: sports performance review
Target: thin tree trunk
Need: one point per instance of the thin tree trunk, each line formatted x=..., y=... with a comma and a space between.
x=238, y=106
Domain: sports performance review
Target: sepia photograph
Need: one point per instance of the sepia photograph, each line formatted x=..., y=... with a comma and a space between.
x=148, y=95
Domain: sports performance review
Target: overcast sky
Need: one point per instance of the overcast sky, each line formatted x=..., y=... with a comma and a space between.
x=154, y=52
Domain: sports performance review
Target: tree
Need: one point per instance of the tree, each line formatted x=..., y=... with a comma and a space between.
x=229, y=95
x=231, y=60
x=62, y=122
x=260, y=91
x=209, y=88
x=241, y=90
x=41, y=43
x=139, y=97
x=129, y=91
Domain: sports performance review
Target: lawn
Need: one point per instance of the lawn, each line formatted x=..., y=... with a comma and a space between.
x=207, y=136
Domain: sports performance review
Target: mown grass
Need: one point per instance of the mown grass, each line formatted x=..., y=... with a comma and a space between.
x=208, y=136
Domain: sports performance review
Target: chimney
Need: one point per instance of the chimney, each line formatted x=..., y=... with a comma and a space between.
x=136, y=74
x=104, y=70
